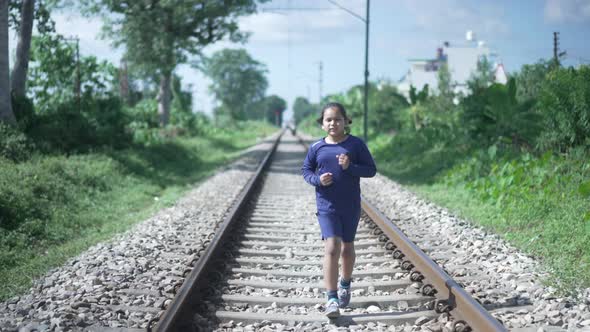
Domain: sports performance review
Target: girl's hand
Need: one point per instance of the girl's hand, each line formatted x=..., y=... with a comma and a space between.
x=343, y=160
x=326, y=179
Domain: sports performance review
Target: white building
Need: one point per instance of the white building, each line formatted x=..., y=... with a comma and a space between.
x=461, y=60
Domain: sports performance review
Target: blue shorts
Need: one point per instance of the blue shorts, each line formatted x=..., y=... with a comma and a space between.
x=342, y=226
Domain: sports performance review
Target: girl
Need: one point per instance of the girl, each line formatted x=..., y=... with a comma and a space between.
x=334, y=166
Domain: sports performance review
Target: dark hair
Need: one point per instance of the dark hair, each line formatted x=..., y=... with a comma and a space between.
x=340, y=109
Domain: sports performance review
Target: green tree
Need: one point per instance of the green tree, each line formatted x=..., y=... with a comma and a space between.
x=494, y=113
x=445, y=88
x=530, y=79
x=52, y=75
x=159, y=35
x=274, y=107
x=419, y=97
x=238, y=81
x=301, y=109
x=182, y=101
x=483, y=76
x=508, y=118
x=385, y=105
x=565, y=105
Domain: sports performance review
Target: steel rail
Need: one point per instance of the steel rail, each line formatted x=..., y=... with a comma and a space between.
x=463, y=306
x=189, y=292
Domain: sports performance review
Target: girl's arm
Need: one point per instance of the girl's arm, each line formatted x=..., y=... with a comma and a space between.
x=309, y=168
x=365, y=165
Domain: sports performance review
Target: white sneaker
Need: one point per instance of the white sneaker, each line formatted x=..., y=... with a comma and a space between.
x=332, y=308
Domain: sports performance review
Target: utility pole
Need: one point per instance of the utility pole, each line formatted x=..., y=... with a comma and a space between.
x=366, y=21
x=320, y=85
x=77, y=83
x=366, y=101
x=556, y=53
x=366, y=94
x=78, y=79
x=555, y=47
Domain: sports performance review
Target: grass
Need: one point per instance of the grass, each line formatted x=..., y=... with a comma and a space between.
x=538, y=204
x=54, y=207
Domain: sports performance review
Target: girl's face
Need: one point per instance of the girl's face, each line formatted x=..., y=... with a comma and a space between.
x=333, y=122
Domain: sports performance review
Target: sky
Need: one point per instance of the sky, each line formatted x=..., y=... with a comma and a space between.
x=292, y=38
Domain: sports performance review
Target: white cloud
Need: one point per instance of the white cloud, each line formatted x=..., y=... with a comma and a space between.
x=567, y=10
x=448, y=19
x=280, y=21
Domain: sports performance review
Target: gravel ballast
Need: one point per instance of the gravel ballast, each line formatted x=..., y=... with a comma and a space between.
x=127, y=281
x=505, y=276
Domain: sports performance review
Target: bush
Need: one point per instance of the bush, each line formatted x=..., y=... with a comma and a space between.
x=494, y=114
x=24, y=111
x=565, y=106
x=74, y=128
x=14, y=145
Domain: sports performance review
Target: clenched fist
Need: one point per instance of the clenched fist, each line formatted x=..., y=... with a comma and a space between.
x=326, y=179
x=343, y=160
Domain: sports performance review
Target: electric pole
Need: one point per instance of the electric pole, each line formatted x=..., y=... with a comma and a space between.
x=77, y=83
x=320, y=85
x=366, y=101
x=366, y=94
x=556, y=54
x=555, y=47
x=366, y=21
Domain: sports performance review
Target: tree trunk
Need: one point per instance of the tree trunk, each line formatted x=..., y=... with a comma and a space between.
x=6, y=114
x=164, y=98
x=21, y=66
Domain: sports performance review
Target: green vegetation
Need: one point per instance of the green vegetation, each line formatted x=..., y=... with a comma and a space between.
x=88, y=149
x=55, y=206
x=512, y=158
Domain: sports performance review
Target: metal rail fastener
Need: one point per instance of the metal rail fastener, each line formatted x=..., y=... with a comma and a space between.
x=463, y=306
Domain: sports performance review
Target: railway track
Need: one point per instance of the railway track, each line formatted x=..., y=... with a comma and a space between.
x=263, y=269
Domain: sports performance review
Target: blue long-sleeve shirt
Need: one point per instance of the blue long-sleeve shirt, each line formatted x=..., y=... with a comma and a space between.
x=343, y=196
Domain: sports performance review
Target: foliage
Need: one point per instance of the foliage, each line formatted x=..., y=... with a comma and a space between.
x=14, y=145
x=565, y=105
x=182, y=101
x=530, y=80
x=159, y=35
x=238, y=80
x=445, y=89
x=51, y=202
x=53, y=73
x=483, y=75
x=42, y=15
x=445, y=99
x=274, y=106
x=302, y=108
x=385, y=105
x=494, y=114
x=539, y=203
x=419, y=97
x=70, y=127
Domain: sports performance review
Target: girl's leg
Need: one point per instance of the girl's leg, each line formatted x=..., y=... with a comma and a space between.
x=331, y=256
x=348, y=258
